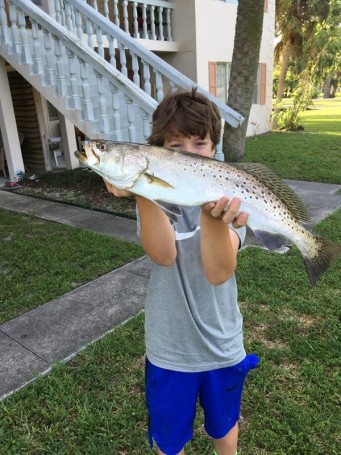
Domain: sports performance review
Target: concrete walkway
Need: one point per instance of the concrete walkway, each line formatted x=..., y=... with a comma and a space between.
x=57, y=330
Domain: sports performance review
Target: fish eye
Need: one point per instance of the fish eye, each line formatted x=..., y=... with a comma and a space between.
x=102, y=147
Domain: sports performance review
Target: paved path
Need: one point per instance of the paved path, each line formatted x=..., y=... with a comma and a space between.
x=57, y=330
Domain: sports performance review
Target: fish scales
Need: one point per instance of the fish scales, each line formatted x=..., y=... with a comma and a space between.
x=173, y=178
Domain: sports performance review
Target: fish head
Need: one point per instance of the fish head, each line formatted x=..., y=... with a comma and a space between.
x=119, y=163
x=95, y=153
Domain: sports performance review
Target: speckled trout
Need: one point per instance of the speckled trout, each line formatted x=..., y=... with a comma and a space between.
x=173, y=178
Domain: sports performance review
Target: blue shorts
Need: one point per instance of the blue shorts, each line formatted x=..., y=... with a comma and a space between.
x=172, y=396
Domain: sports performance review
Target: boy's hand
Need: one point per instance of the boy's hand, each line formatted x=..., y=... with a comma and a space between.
x=116, y=191
x=227, y=211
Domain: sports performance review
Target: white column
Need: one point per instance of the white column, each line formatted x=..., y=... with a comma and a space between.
x=8, y=125
x=67, y=131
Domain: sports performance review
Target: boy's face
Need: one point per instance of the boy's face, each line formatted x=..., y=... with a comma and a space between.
x=192, y=144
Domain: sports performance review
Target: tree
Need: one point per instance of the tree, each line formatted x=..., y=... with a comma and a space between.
x=245, y=59
x=296, y=23
x=320, y=53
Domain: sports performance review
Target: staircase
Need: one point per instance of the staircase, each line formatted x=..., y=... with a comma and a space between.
x=94, y=73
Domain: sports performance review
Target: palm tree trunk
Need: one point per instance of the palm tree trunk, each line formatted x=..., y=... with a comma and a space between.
x=327, y=86
x=284, y=69
x=245, y=59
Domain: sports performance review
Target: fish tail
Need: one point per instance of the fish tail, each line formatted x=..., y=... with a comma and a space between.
x=325, y=253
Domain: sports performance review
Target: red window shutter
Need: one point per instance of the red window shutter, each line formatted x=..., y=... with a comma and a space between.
x=266, y=6
x=262, y=91
x=212, y=78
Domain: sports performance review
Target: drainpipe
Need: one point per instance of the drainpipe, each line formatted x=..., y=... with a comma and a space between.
x=9, y=130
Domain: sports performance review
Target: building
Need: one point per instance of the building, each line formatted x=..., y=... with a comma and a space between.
x=71, y=69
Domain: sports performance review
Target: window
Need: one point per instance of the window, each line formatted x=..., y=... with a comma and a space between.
x=219, y=79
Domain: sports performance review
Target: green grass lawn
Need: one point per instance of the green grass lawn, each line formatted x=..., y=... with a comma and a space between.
x=94, y=405
x=313, y=154
x=41, y=260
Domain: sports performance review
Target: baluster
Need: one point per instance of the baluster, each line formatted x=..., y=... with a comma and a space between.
x=99, y=38
x=4, y=36
x=94, y=4
x=79, y=25
x=87, y=110
x=144, y=21
x=49, y=70
x=146, y=79
x=89, y=33
x=57, y=8
x=161, y=37
x=123, y=60
x=61, y=81
x=173, y=86
x=68, y=17
x=15, y=32
x=103, y=121
x=116, y=112
x=158, y=86
x=26, y=50
x=152, y=22
x=135, y=21
x=169, y=25
x=219, y=155
x=135, y=68
x=38, y=67
x=105, y=9
x=131, y=120
x=116, y=13
x=74, y=99
x=125, y=16
x=146, y=125
x=112, y=51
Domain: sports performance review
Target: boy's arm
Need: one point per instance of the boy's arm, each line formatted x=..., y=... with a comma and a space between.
x=219, y=245
x=157, y=235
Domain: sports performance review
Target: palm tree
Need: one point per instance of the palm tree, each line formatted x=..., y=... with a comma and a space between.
x=245, y=58
x=296, y=22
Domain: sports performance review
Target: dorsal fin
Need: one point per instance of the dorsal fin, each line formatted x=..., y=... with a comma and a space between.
x=275, y=184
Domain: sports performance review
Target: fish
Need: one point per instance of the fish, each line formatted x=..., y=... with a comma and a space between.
x=174, y=178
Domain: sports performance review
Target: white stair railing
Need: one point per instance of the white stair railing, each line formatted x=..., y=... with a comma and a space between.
x=150, y=72
x=92, y=93
x=146, y=19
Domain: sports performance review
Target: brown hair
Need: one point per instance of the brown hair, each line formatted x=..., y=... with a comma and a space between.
x=185, y=113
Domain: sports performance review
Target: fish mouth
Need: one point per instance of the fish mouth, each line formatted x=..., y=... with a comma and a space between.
x=88, y=155
x=82, y=156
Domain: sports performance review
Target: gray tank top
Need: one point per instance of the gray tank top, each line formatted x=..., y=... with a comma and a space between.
x=190, y=324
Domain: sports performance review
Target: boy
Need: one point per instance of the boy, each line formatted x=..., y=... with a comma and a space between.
x=193, y=326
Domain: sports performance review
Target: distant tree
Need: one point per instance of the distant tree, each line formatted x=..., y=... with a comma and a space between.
x=296, y=24
x=319, y=60
x=245, y=59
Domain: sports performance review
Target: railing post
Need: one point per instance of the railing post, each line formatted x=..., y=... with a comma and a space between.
x=38, y=66
x=50, y=69
x=131, y=122
x=73, y=99
x=135, y=21
x=26, y=55
x=115, y=97
x=14, y=29
x=103, y=122
x=61, y=80
x=4, y=31
x=88, y=113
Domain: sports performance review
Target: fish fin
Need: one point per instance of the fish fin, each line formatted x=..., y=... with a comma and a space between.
x=173, y=212
x=276, y=185
x=272, y=241
x=157, y=181
x=326, y=252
